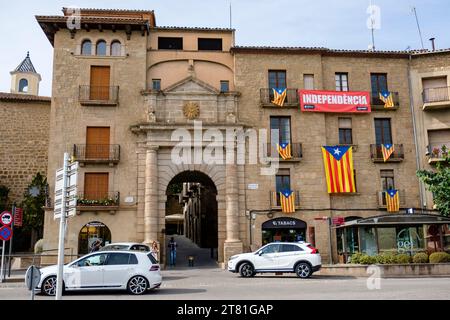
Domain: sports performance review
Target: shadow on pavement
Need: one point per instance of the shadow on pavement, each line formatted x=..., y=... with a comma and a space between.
x=169, y=291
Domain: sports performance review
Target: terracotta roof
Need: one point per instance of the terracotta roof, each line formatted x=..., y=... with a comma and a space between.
x=64, y=9
x=26, y=65
x=5, y=96
x=192, y=28
x=89, y=19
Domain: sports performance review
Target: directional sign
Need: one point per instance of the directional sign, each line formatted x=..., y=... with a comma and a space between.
x=70, y=197
x=5, y=233
x=6, y=218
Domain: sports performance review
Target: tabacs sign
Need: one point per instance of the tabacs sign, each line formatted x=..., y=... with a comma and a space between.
x=334, y=101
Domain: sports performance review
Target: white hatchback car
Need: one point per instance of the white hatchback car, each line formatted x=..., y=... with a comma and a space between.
x=134, y=271
x=125, y=246
x=299, y=257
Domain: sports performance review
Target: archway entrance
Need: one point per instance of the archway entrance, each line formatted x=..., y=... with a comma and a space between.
x=92, y=236
x=283, y=229
x=192, y=219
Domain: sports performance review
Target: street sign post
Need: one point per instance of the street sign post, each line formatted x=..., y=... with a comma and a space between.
x=6, y=218
x=32, y=278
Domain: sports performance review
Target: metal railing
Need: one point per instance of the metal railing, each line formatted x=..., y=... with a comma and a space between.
x=98, y=199
x=296, y=151
x=267, y=96
x=440, y=151
x=376, y=101
x=440, y=94
x=275, y=199
x=377, y=155
x=97, y=152
x=382, y=198
x=99, y=94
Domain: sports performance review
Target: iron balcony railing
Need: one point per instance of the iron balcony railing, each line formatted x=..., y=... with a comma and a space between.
x=101, y=95
x=275, y=199
x=377, y=103
x=377, y=155
x=382, y=198
x=296, y=151
x=439, y=151
x=267, y=96
x=96, y=152
x=436, y=95
x=98, y=199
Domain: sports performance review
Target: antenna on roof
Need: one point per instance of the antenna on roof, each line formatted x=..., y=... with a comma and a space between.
x=413, y=9
x=231, y=20
x=373, y=22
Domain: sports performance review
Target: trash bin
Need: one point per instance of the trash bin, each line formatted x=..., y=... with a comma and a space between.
x=191, y=261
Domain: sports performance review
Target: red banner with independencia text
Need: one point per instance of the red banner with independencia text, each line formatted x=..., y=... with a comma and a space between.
x=334, y=101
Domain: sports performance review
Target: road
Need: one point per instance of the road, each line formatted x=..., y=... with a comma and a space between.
x=218, y=284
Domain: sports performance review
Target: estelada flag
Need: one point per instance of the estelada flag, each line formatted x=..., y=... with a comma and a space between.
x=284, y=149
x=387, y=150
x=387, y=98
x=287, y=199
x=279, y=95
x=392, y=200
x=338, y=162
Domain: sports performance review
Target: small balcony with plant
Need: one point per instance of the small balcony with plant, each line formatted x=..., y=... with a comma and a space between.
x=98, y=201
x=438, y=153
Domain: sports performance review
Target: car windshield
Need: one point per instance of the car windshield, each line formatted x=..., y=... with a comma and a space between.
x=114, y=247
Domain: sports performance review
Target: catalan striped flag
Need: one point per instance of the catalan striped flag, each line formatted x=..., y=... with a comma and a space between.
x=387, y=98
x=279, y=95
x=284, y=149
x=392, y=200
x=287, y=199
x=338, y=162
x=387, y=150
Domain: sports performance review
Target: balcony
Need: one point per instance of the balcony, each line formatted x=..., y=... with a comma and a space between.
x=438, y=153
x=267, y=96
x=382, y=199
x=436, y=98
x=98, y=201
x=99, y=96
x=377, y=155
x=96, y=153
x=378, y=104
x=275, y=200
x=273, y=155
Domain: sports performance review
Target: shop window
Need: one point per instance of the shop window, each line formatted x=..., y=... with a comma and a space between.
x=93, y=236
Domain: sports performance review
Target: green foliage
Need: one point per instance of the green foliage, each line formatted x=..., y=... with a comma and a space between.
x=439, y=257
x=366, y=259
x=33, y=206
x=97, y=202
x=402, y=258
x=4, y=192
x=355, y=258
x=385, y=258
x=420, y=257
x=438, y=182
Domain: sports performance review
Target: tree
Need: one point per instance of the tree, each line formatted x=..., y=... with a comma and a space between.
x=4, y=192
x=438, y=182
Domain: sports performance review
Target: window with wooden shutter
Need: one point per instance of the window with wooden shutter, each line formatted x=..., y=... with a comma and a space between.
x=97, y=143
x=100, y=85
x=96, y=186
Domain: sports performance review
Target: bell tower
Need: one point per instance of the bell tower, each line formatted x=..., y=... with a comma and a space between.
x=25, y=79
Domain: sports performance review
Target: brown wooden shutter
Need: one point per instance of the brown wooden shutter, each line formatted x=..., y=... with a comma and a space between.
x=97, y=143
x=96, y=186
x=100, y=82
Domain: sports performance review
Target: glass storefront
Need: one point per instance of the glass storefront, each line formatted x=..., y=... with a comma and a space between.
x=92, y=237
x=283, y=230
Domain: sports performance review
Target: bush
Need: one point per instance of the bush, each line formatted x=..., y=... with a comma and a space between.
x=402, y=258
x=355, y=258
x=420, y=257
x=39, y=246
x=365, y=259
x=439, y=257
x=385, y=258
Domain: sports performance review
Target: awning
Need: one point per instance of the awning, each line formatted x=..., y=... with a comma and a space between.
x=284, y=223
x=397, y=219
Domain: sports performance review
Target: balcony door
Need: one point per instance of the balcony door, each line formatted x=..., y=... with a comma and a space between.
x=96, y=186
x=383, y=134
x=97, y=143
x=277, y=79
x=99, y=86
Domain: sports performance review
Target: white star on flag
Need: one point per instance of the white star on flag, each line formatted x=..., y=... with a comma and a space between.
x=337, y=151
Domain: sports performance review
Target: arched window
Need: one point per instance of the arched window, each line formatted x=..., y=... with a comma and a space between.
x=101, y=48
x=92, y=236
x=116, y=48
x=86, y=48
x=23, y=85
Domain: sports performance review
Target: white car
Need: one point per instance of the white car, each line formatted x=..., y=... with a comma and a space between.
x=125, y=246
x=134, y=271
x=299, y=257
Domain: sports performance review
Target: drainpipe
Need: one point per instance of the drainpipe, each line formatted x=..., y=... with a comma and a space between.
x=411, y=105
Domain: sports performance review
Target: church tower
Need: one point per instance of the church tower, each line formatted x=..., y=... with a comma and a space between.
x=25, y=79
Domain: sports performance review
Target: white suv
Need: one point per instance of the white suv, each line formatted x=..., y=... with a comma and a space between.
x=299, y=257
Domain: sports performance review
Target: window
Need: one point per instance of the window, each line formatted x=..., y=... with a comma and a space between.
x=86, y=48
x=156, y=84
x=170, y=43
x=23, y=85
x=290, y=248
x=152, y=258
x=224, y=86
x=101, y=48
x=387, y=179
x=283, y=125
x=435, y=89
x=99, y=86
x=277, y=79
x=308, y=81
x=95, y=186
x=341, y=81
x=378, y=83
x=283, y=180
x=116, y=48
x=140, y=247
x=97, y=143
x=271, y=248
x=118, y=259
x=133, y=259
x=94, y=260
x=345, y=131
x=209, y=44
x=383, y=133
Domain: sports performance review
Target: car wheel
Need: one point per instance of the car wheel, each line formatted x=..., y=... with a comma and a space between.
x=49, y=286
x=303, y=270
x=246, y=270
x=137, y=285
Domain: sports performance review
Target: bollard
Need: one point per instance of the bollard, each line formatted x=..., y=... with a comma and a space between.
x=191, y=261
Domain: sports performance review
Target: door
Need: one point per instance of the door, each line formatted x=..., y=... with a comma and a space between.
x=383, y=134
x=118, y=269
x=267, y=258
x=97, y=143
x=87, y=273
x=289, y=254
x=378, y=84
x=99, y=86
x=96, y=186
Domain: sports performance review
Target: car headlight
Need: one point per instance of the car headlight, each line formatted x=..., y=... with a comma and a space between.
x=233, y=257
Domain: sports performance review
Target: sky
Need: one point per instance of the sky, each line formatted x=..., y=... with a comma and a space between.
x=323, y=23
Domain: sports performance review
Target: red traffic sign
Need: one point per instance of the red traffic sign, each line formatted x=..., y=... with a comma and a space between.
x=6, y=218
x=5, y=233
x=18, y=217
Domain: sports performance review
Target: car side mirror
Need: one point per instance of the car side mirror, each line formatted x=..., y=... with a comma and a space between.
x=260, y=253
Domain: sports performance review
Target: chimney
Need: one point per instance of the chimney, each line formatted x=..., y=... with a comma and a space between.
x=432, y=44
